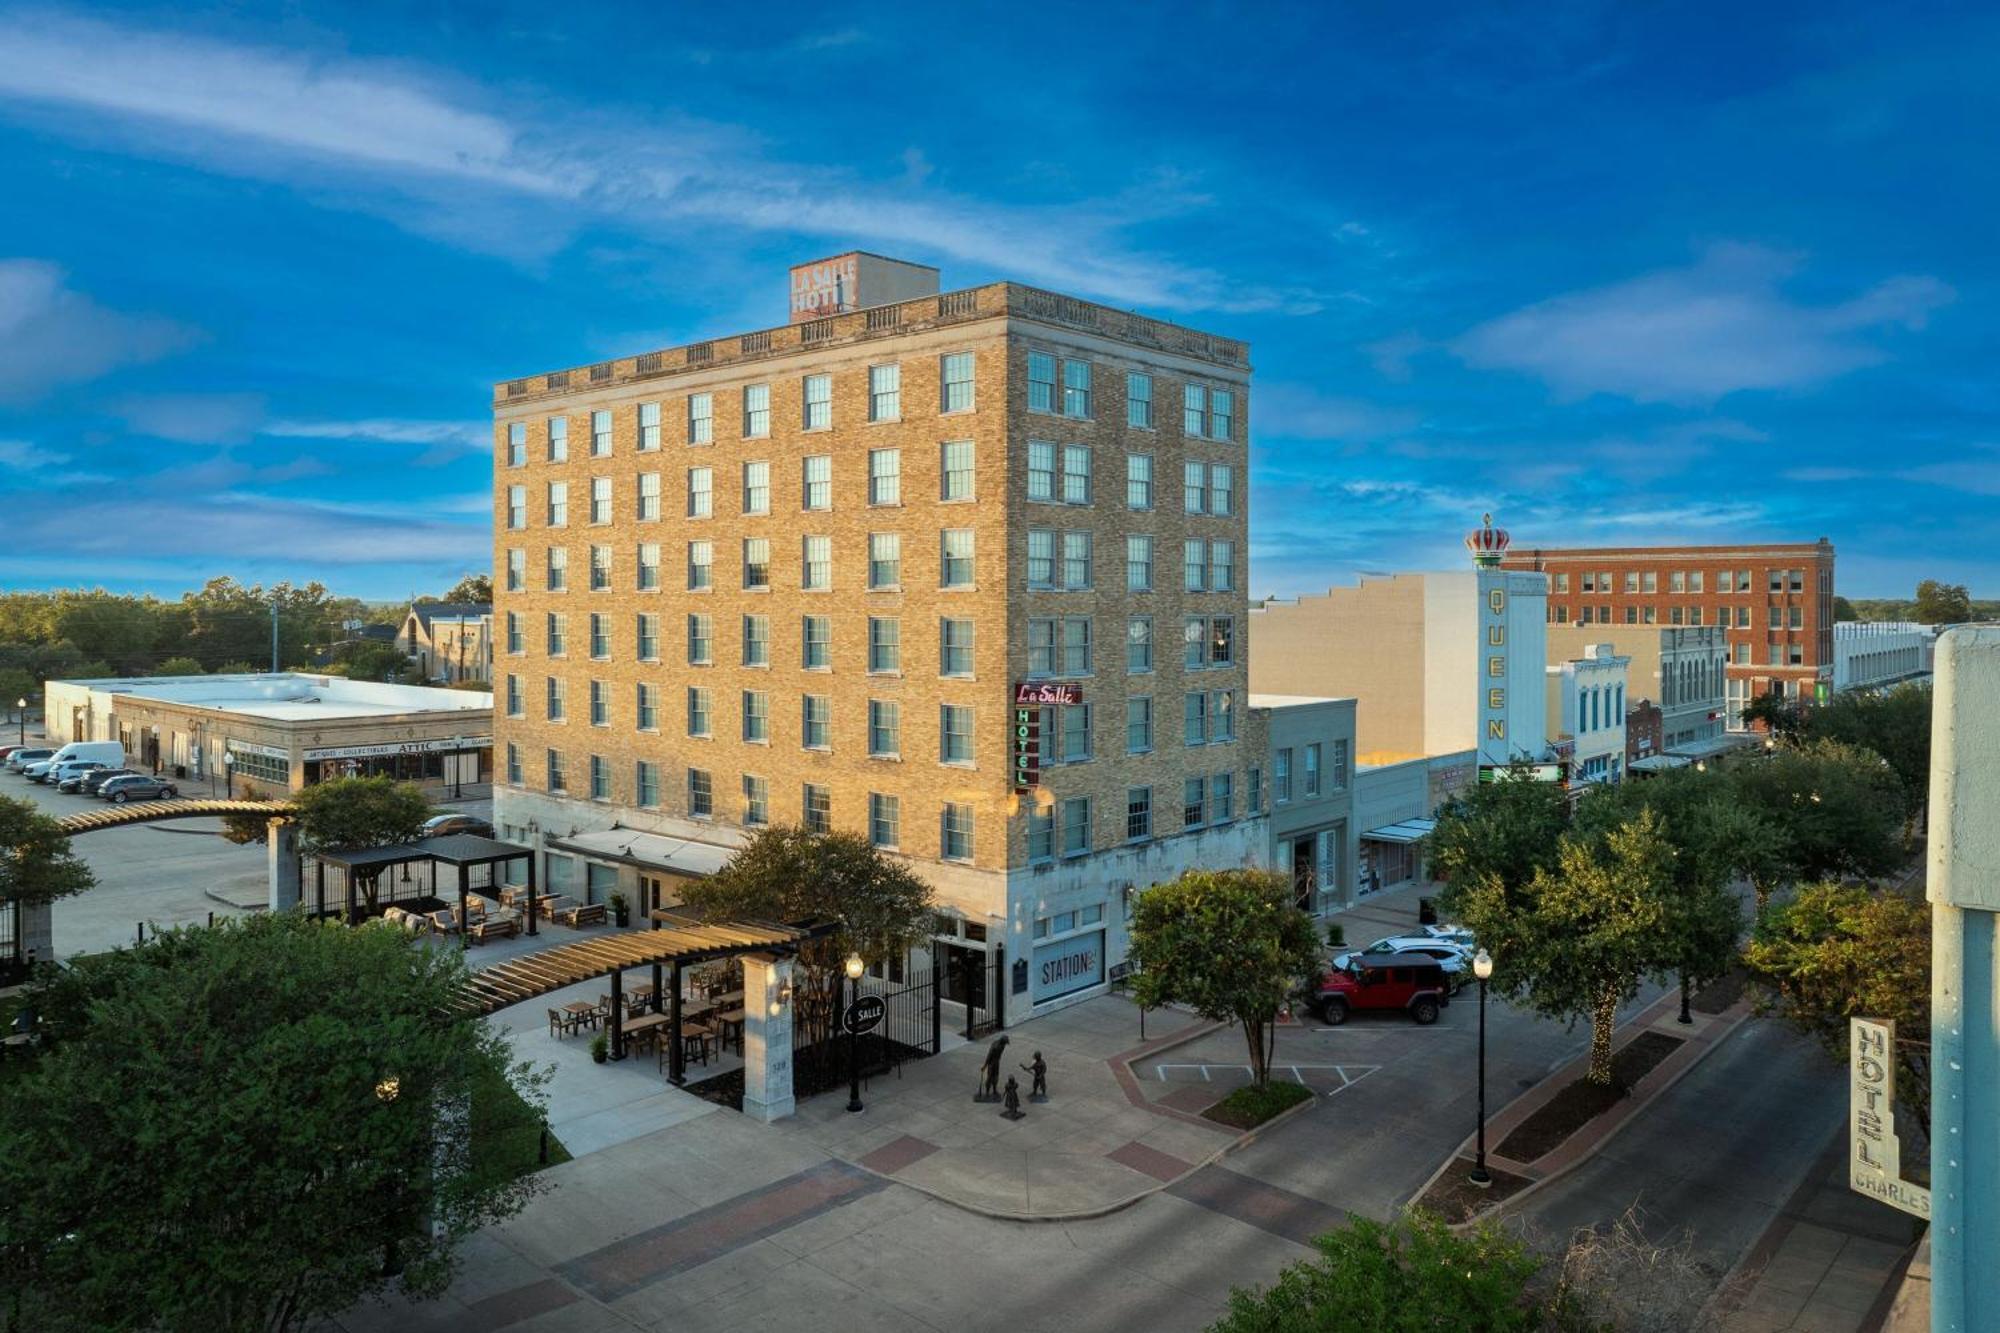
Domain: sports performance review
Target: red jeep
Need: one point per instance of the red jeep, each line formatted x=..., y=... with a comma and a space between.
x=1408, y=982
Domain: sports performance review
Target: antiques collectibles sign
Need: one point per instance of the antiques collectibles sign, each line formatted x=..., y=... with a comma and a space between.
x=403, y=747
x=1069, y=965
x=1875, y=1155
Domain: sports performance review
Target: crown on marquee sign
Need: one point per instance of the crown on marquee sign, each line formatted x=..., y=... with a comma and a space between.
x=1486, y=542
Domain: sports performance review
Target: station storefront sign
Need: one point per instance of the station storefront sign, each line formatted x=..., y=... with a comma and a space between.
x=1069, y=965
x=447, y=746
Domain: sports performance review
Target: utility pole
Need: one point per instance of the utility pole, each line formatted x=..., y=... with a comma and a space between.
x=274, y=633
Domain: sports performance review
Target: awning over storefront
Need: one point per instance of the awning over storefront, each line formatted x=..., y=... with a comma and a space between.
x=647, y=851
x=1409, y=830
x=1657, y=763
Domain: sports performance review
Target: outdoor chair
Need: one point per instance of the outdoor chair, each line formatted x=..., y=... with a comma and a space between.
x=559, y=1023
x=443, y=921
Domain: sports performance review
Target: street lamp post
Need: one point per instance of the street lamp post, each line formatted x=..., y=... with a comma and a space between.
x=21, y=712
x=854, y=969
x=1482, y=968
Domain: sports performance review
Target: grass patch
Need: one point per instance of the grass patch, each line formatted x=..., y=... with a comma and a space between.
x=1583, y=1101
x=506, y=1132
x=1249, y=1107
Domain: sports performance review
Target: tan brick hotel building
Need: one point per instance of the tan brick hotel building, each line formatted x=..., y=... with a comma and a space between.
x=798, y=575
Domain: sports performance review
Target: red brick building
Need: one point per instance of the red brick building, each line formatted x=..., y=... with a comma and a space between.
x=1775, y=600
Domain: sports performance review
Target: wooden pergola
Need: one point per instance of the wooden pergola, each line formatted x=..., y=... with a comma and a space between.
x=462, y=850
x=673, y=943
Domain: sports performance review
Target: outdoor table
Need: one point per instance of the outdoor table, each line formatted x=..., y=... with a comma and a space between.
x=639, y=997
x=728, y=997
x=585, y=1011
x=732, y=1018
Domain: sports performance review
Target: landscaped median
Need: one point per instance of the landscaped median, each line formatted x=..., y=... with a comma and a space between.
x=1565, y=1119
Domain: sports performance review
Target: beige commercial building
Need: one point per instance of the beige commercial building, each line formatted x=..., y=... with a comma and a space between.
x=1309, y=744
x=450, y=641
x=802, y=574
x=267, y=733
x=1681, y=668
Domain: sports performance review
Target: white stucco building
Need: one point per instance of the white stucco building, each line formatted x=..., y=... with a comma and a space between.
x=1870, y=654
x=1586, y=697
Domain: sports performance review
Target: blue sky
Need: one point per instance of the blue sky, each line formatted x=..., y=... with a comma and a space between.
x=1619, y=273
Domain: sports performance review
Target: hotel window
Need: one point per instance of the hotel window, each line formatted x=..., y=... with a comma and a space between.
x=1076, y=561
x=885, y=644
x=1194, y=643
x=1222, y=798
x=818, y=402
x=1650, y=615
x=1674, y=616
x=1041, y=841
x=1194, y=564
x=558, y=504
x=1139, y=645
x=1649, y=581
x=885, y=392
x=600, y=568
x=1221, y=489
x=815, y=729
x=1281, y=777
x=1041, y=382
x=701, y=492
x=1041, y=470
x=1194, y=718
x=556, y=699
x=1694, y=615
x=559, y=439
x=885, y=476
x=885, y=729
x=1694, y=580
x=756, y=411
x=1194, y=411
x=513, y=764
x=1138, y=813
x=1076, y=389
x=1560, y=614
x=955, y=563
x=955, y=481
x=1076, y=826
x=1073, y=724
x=517, y=570
x=1041, y=558
x=756, y=717
x=955, y=648
x=649, y=497
x=517, y=444
x=600, y=434
x=1222, y=567
x=646, y=707
x=1253, y=792
x=515, y=642
x=701, y=566
x=558, y=634
x=885, y=560
x=1796, y=580
x=1221, y=641
x=1677, y=581
x=1562, y=583
x=701, y=794
x=1590, y=582
x=1194, y=798
x=816, y=563
x=818, y=806
x=1222, y=414
x=756, y=641
x=1795, y=617
x=885, y=819
x=600, y=704
x=1041, y=647
x=600, y=636
x=955, y=838
x=646, y=783
x=955, y=373
x=815, y=643
x=1139, y=400
x=756, y=562
x=954, y=734
x=1221, y=717
x=1076, y=474
x=1138, y=481
x=701, y=640
x=1312, y=753
x=1743, y=583
x=701, y=418
x=1795, y=654
x=757, y=488
x=649, y=566
x=1725, y=581
x=816, y=491
x=555, y=772
x=514, y=706
x=1631, y=615
x=1139, y=724
x=1138, y=563
x=1340, y=755
x=756, y=801
x=1743, y=617
x=1194, y=486
x=1631, y=580
x=558, y=569
x=649, y=427
x=1076, y=646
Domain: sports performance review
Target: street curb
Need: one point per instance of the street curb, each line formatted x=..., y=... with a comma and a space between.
x=1725, y=1025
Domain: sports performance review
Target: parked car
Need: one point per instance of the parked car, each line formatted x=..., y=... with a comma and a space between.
x=1458, y=935
x=6, y=750
x=109, y=753
x=19, y=760
x=1411, y=983
x=38, y=770
x=439, y=825
x=70, y=776
x=97, y=777
x=137, y=787
x=1455, y=961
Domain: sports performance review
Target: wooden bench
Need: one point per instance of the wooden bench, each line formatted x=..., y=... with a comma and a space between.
x=585, y=914
x=498, y=928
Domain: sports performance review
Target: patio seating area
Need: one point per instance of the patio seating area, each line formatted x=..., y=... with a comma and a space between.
x=711, y=1019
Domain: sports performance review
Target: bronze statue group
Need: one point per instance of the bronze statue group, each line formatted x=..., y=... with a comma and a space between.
x=989, y=1081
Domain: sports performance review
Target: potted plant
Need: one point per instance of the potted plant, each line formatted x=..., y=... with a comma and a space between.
x=621, y=911
x=600, y=1047
x=1336, y=935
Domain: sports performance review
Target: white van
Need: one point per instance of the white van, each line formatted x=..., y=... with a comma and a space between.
x=109, y=753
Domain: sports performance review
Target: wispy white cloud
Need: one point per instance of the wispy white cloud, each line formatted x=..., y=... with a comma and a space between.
x=464, y=435
x=1301, y=412
x=236, y=526
x=52, y=335
x=1695, y=334
x=194, y=418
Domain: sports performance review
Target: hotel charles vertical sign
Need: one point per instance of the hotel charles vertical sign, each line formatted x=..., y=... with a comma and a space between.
x=1875, y=1153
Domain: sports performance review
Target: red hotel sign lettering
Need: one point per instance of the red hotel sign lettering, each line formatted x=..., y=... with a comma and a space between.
x=1030, y=698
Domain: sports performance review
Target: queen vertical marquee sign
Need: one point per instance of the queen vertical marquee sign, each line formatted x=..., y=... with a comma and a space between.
x=1030, y=698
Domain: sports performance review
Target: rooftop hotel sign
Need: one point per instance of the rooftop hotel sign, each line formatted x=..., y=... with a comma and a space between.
x=1875, y=1155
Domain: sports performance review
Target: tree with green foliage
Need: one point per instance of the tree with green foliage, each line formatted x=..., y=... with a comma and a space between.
x=1843, y=610
x=1232, y=945
x=1833, y=952
x=471, y=588
x=1836, y=809
x=787, y=874
x=370, y=659
x=1504, y=830
x=250, y=1127
x=1942, y=603
x=1576, y=941
x=39, y=866
x=180, y=666
x=1894, y=723
x=1781, y=717
x=239, y=668
x=347, y=814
